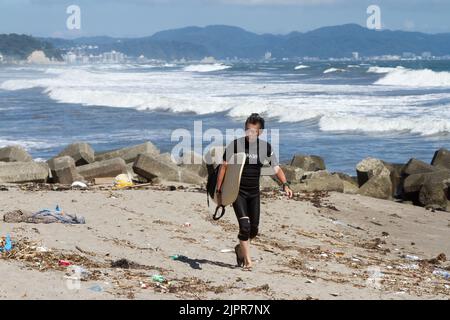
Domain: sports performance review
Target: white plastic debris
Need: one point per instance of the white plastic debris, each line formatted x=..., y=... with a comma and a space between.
x=42, y=249
x=79, y=184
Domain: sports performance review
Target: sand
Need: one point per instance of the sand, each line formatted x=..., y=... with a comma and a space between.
x=314, y=247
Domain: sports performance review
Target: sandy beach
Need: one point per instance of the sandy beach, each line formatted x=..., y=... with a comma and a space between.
x=316, y=246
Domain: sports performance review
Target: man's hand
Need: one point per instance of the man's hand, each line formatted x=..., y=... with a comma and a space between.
x=288, y=191
x=219, y=197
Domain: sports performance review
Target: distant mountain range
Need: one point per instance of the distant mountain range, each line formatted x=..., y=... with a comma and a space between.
x=229, y=42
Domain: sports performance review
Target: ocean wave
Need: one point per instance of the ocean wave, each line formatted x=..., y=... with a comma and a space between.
x=333, y=107
x=424, y=126
x=27, y=144
x=300, y=67
x=415, y=78
x=206, y=67
x=384, y=69
x=332, y=70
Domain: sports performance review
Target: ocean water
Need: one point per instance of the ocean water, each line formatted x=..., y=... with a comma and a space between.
x=343, y=112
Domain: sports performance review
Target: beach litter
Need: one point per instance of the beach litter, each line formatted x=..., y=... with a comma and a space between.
x=78, y=272
x=187, y=224
x=123, y=181
x=25, y=250
x=96, y=288
x=45, y=216
x=158, y=278
x=79, y=185
x=226, y=250
x=6, y=244
x=442, y=273
x=64, y=263
x=411, y=257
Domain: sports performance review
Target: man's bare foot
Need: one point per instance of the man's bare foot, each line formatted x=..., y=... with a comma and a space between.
x=247, y=268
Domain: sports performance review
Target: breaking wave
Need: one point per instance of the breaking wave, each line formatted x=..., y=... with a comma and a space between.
x=415, y=78
x=300, y=67
x=206, y=67
x=366, y=108
x=27, y=144
x=331, y=70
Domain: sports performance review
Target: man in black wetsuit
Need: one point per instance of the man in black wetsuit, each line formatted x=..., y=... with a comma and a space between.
x=247, y=204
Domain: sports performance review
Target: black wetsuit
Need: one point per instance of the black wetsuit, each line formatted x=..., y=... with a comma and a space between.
x=247, y=204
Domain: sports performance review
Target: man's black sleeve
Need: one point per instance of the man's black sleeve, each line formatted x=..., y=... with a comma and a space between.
x=271, y=157
x=230, y=150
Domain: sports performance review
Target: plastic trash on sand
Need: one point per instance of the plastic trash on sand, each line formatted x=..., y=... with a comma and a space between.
x=64, y=263
x=96, y=288
x=123, y=181
x=411, y=257
x=79, y=185
x=79, y=272
x=442, y=273
x=5, y=244
x=158, y=278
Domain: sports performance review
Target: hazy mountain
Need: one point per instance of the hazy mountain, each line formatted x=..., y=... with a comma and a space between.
x=227, y=41
x=21, y=46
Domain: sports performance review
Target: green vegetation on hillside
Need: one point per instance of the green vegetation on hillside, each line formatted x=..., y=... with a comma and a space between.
x=21, y=46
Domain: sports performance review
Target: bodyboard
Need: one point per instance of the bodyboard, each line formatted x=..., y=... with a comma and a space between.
x=232, y=179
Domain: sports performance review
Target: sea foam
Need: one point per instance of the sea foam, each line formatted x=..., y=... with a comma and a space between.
x=300, y=67
x=366, y=108
x=415, y=78
x=206, y=67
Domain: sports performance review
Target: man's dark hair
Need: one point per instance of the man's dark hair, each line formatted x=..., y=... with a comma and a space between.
x=255, y=118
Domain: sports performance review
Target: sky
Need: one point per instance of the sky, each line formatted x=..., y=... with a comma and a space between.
x=136, y=18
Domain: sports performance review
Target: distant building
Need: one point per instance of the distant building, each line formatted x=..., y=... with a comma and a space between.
x=70, y=57
x=408, y=55
x=426, y=55
x=267, y=55
x=113, y=57
x=389, y=57
x=311, y=59
x=1, y=58
x=208, y=60
x=355, y=55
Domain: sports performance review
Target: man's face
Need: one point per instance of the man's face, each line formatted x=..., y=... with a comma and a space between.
x=253, y=131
